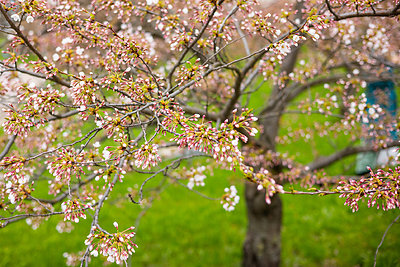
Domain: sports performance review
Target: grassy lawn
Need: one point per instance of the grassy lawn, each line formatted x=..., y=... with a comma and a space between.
x=184, y=229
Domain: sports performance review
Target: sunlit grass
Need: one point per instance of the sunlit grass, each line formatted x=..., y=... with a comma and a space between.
x=184, y=229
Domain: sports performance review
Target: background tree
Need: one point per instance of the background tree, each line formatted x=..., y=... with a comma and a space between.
x=119, y=83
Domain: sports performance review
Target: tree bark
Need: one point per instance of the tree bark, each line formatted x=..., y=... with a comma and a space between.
x=262, y=246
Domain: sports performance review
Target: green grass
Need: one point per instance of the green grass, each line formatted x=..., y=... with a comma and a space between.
x=322, y=232
x=184, y=229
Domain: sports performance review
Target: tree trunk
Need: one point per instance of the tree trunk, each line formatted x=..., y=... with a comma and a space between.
x=262, y=246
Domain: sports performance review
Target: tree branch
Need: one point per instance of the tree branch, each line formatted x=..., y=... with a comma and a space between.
x=8, y=147
x=323, y=162
x=331, y=10
x=382, y=13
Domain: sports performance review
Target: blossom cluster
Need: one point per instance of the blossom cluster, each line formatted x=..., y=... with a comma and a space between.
x=64, y=227
x=83, y=90
x=73, y=259
x=36, y=103
x=18, y=190
x=197, y=177
x=139, y=90
x=376, y=39
x=17, y=184
x=190, y=72
x=74, y=210
x=147, y=156
x=174, y=116
x=65, y=165
x=116, y=247
x=112, y=124
x=39, y=100
x=269, y=184
x=381, y=189
x=17, y=123
x=230, y=199
x=264, y=180
x=222, y=143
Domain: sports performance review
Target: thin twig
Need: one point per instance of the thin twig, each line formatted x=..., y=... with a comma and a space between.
x=383, y=238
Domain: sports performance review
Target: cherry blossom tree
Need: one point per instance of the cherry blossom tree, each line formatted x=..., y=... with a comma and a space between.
x=100, y=89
